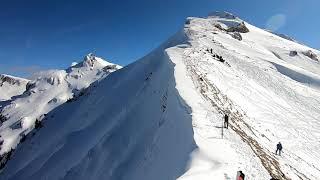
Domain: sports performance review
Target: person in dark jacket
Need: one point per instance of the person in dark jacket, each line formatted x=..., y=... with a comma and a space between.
x=279, y=148
x=240, y=175
x=226, y=121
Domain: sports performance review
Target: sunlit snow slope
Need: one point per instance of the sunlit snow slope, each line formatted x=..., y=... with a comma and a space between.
x=161, y=117
x=47, y=91
x=11, y=86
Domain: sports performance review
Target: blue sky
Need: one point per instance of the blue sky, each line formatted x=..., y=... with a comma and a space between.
x=37, y=35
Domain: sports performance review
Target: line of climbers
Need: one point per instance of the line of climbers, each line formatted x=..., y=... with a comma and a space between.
x=226, y=125
x=240, y=175
x=215, y=55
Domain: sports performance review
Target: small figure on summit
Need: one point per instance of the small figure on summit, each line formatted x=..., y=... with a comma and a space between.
x=226, y=121
x=279, y=148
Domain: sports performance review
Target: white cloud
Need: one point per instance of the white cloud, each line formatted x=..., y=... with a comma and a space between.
x=276, y=22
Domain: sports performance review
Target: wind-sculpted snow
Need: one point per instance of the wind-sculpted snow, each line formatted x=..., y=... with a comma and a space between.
x=161, y=117
x=300, y=77
x=145, y=132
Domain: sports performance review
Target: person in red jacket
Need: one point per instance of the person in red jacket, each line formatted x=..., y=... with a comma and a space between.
x=240, y=175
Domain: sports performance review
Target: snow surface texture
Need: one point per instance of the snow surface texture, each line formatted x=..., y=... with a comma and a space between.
x=161, y=116
x=11, y=86
x=283, y=36
x=49, y=90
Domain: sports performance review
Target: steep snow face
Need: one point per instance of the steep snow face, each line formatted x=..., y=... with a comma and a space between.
x=276, y=92
x=49, y=90
x=11, y=86
x=162, y=116
x=131, y=125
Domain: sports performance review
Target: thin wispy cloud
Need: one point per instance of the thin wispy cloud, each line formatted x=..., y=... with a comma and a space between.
x=23, y=71
x=27, y=69
x=276, y=22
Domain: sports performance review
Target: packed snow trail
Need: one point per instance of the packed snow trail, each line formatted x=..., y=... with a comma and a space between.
x=277, y=105
x=219, y=101
x=216, y=156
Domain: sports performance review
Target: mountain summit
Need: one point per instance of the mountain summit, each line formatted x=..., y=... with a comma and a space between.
x=162, y=116
x=47, y=91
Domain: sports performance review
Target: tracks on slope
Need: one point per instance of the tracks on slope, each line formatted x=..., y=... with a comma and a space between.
x=224, y=105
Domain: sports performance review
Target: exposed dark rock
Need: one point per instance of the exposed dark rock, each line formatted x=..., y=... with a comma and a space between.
x=38, y=124
x=30, y=85
x=2, y=118
x=293, y=53
x=236, y=35
x=110, y=67
x=311, y=55
x=218, y=26
x=23, y=138
x=241, y=28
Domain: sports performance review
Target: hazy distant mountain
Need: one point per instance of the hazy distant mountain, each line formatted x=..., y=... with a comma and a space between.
x=11, y=86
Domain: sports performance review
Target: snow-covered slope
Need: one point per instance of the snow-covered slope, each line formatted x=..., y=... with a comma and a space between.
x=11, y=86
x=49, y=90
x=161, y=117
x=284, y=36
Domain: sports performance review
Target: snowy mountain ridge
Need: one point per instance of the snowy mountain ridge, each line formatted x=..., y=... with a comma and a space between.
x=47, y=91
x=11, y=86
x=161, y=117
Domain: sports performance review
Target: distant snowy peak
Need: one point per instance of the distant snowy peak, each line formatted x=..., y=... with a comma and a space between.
x=11, y=86
x=53, y=77
x=91, y=60
x=48, y=90
x=12, y=80
x=90, y=69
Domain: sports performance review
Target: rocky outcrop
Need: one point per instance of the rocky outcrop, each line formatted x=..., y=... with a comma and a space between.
x=311, y=55
x=236, y=35
x=293, y=53
x=241, y=28
x=11, y=80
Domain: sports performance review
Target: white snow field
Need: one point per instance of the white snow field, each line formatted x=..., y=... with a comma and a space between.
x=47, y=91
x=160, y=118
x=11, y=86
